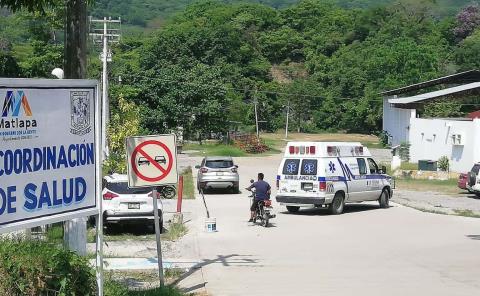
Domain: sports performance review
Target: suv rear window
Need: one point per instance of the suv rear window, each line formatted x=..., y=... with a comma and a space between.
x=309, y=167
x=122, y=188
x=219, y=164
x=291, y=166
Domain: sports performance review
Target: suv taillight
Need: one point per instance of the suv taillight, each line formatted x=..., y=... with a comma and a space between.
x=109, y=195
x=204, y=170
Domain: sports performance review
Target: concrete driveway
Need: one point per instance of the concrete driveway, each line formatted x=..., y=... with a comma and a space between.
x=366, y=251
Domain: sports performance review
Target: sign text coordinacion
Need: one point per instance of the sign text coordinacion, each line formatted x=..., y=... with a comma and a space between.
x=56, y=193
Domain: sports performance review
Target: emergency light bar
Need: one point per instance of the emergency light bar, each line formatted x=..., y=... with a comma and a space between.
x=302, y=150
x=332, y=150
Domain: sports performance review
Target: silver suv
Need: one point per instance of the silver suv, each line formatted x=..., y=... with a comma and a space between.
x=217, y=172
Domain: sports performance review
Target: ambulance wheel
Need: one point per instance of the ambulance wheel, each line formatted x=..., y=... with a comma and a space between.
x=337, y=205
x=384, y=199
x=292, y=209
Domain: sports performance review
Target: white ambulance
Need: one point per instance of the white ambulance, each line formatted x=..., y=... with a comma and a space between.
x=330, y=174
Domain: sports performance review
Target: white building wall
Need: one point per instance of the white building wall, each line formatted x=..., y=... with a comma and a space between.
x=397, y=122
x=431, y=139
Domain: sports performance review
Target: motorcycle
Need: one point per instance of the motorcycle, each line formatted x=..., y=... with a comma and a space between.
x=263, y=210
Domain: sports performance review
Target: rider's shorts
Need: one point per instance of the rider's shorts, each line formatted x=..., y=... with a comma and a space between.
x=254, y=204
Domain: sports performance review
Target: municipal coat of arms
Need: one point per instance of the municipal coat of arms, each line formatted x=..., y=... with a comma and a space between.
x=80, y=113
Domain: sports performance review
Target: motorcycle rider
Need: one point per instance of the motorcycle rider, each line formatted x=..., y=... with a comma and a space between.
x=262, y=192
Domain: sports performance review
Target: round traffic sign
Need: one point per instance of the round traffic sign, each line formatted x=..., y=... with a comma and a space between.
x=155, y=160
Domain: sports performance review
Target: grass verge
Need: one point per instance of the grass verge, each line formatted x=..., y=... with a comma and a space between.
x=447, y=186
x=218, y=149
x=188, y=186
x=175, y=231
x=116, y=288
x=466, y=213
x=134, y=233
x=214, y=149
x=368, y=140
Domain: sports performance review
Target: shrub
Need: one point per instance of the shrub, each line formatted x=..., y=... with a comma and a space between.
x=443, y=163
x=404, y=151
x=30, y=267
x=384, y=138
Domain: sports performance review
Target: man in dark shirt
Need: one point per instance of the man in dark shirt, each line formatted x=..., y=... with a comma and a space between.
x=262, y=192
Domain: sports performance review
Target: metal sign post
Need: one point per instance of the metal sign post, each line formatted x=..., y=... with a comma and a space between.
x=152, y=162
x=157, y=236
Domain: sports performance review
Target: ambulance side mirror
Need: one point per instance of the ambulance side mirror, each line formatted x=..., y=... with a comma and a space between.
x=383, y=170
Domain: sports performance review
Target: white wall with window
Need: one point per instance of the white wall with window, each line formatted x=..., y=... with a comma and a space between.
x=459, y=140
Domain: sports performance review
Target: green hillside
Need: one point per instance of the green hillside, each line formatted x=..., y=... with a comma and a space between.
x=152, y=13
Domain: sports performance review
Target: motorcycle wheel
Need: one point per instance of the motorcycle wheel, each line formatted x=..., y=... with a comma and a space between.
x=265, y=220
x=168, y=192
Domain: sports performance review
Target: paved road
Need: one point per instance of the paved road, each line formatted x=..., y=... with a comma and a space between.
x=366, y=251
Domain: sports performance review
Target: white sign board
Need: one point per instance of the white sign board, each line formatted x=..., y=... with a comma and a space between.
x=152, y=161
x=48, y=151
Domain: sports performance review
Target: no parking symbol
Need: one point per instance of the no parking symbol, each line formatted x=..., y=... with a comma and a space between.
x=151, y=161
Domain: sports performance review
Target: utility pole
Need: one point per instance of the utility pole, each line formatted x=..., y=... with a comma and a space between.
x=105, y=36
x=255, y=103
x=286, y=126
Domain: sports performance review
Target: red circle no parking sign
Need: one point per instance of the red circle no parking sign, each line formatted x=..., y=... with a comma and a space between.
x=155, y=160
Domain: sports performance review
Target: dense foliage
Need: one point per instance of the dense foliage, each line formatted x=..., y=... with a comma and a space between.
x=206, y=67
x=41, y=268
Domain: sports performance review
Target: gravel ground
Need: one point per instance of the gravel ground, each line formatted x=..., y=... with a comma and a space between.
x=437, y=202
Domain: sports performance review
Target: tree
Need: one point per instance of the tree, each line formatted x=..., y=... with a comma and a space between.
x=467, y=21
x=8, y=64
x=467, y=54
x=75, y=63
x=123, y=124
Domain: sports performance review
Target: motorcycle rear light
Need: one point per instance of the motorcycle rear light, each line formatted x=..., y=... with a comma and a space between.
x=204, y=170
x=109, y=195
x=323, y=186
x=268, y=203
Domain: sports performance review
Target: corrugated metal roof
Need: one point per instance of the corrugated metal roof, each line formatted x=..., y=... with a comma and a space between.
x=458, y=78
x=436, y=94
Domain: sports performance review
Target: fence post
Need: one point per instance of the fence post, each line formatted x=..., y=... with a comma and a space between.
x=180, y=194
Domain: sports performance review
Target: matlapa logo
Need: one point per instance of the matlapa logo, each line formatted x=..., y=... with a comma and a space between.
x=14, y=103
